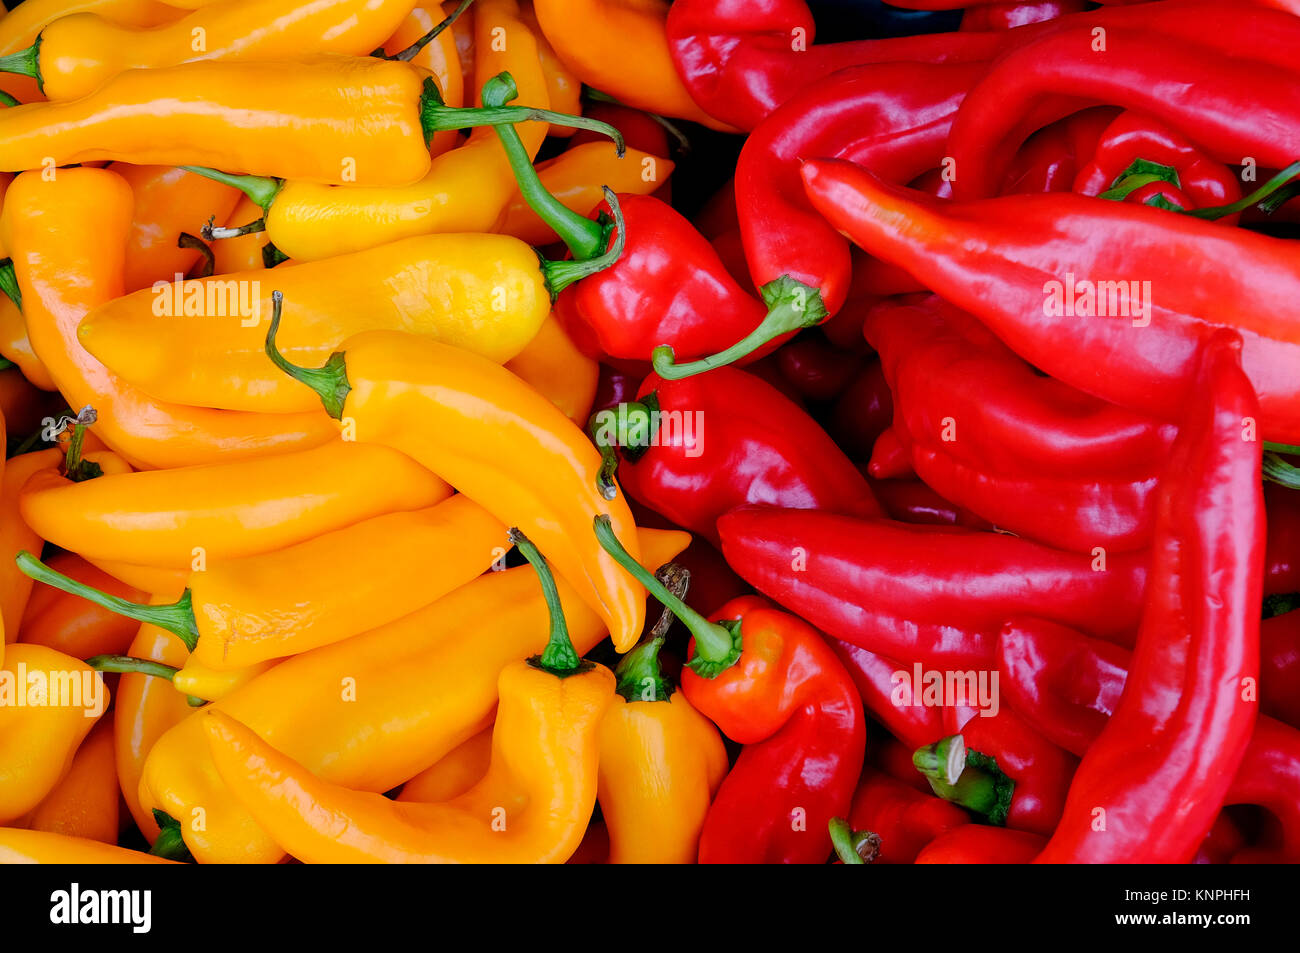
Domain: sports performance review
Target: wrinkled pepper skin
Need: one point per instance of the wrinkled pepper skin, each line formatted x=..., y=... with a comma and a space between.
x=67, y=239
x=930, y=594
x=793, y=706
x=483, y=293
x=226, y=509
x=997, y=259
x=1163, y=763
x=532, y=806
x=421, y=686
x=750, y=445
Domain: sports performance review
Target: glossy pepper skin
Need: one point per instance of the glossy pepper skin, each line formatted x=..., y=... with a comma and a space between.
x=1282, y=557
x=38, y=738
x=1028, y=453
x=977, y=844
x=996, y=257
x=464, y=189
x=730, y=439
x=454, y=773
x=1008, y=16
x=423, y=685
x=1070, y=686
x=905, y=717
x=361, y=115
x=439, y=57
x=1279, y=667
x=892, y=118
x=41, y=847
x=79, y=53
x=16, y=535
x=791, y=703
x=168, y=202
x=1164, y=761
x=494, y=438
x=67, y=238
x=158, y=518
x=905, y=819
x=72, y=625
x=483, y=293
x=931, y=594
x=84, y=802
x=631, y=61
x=1132, y=136
x=552, y=364
x=741, y=60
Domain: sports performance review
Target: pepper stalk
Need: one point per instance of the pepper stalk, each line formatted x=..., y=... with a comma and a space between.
x=853, y=847
x=130, y=665
x=559, y=658
x=717, y=644
x=966, y=777
x=640, y=677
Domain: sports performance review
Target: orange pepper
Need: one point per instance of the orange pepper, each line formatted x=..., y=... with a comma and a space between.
x=68, y=239
x=439, y=57
x=245, y=252
x=23, y=404
x=454, y=773
x=48, y=704
x=556, y=369
x=563, y=87
x=620, y=47
x=144, y=578
x=15, y=345
x=146, y=707
x=383, y=705
x=183, y=518
x=72, y=625
x=577, y=178
x=79, y=53
x=40, y=847
x=16, y=536
x=168, y=201
x=84, y=803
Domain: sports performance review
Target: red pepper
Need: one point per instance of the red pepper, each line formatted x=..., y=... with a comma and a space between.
x=1051, y=158
x=890, y=457
x=1005, y=16
x=1030, y=454
x=977, y=844
x=1014, y=262
x=1150, y=785
x=711, y=444
x=1136, y=150
x=1224, y=840
x=895, y=759
x=911, y=501
x=1200, y=71
x=1069, y=686
x=768, y=680
x=1006, y=748
x=905, y=819
x=1279, y=667
x=874, y=676
x=817, y=370
x=862, y=411
x=1282, y=557
x=741, y=59
x=929, y=594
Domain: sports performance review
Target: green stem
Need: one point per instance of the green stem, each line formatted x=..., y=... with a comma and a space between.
x=5, y=364
x=412, y=51
x=9, y=283
x=261, y=189
x=329, y=381
x=853, y=847
x=8, y=100
x=219, y=232
x=129, y=664
x=437, y=116
x=25, y=63
x=979, y=785
x=560, y=274
x=186, y=240
x=1139, y=173
x=791, y=305
x=177, y=618
x=717, y=645
x=1289, y=449
x=613, y=428
x=1254, y=198
x=559, y=657
x=640, y=676
x=599, y=96
x=1279, y=471
x=75, y=468
x=272, y=256
x=170, y=845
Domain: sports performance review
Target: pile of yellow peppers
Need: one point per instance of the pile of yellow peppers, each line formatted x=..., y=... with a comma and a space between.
x=274, y=614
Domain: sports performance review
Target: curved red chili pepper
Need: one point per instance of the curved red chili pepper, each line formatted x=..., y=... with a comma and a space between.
x=727, y=439
x=1201, y=75
x=905, y=819
x=890, y=458
x=874, y=675
x=741, y=59
x=1023, y=265
x=1161, y=767
x=979, y=844
x=790, y=702
x=929, y=594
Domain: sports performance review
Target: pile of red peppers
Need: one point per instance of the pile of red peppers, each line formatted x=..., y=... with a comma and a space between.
x=979, y=383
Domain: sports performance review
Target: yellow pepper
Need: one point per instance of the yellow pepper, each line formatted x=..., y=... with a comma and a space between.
x=383, y=705
x=182, y=518
x=40, y=847
x=556, y=369
x=77, y=54
x=196, y=680
x=439, y=57
x=454, y=773
x=206, y=344
x=84, y=802
x=16, y=346
x=48, y=703
x=532, y=806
